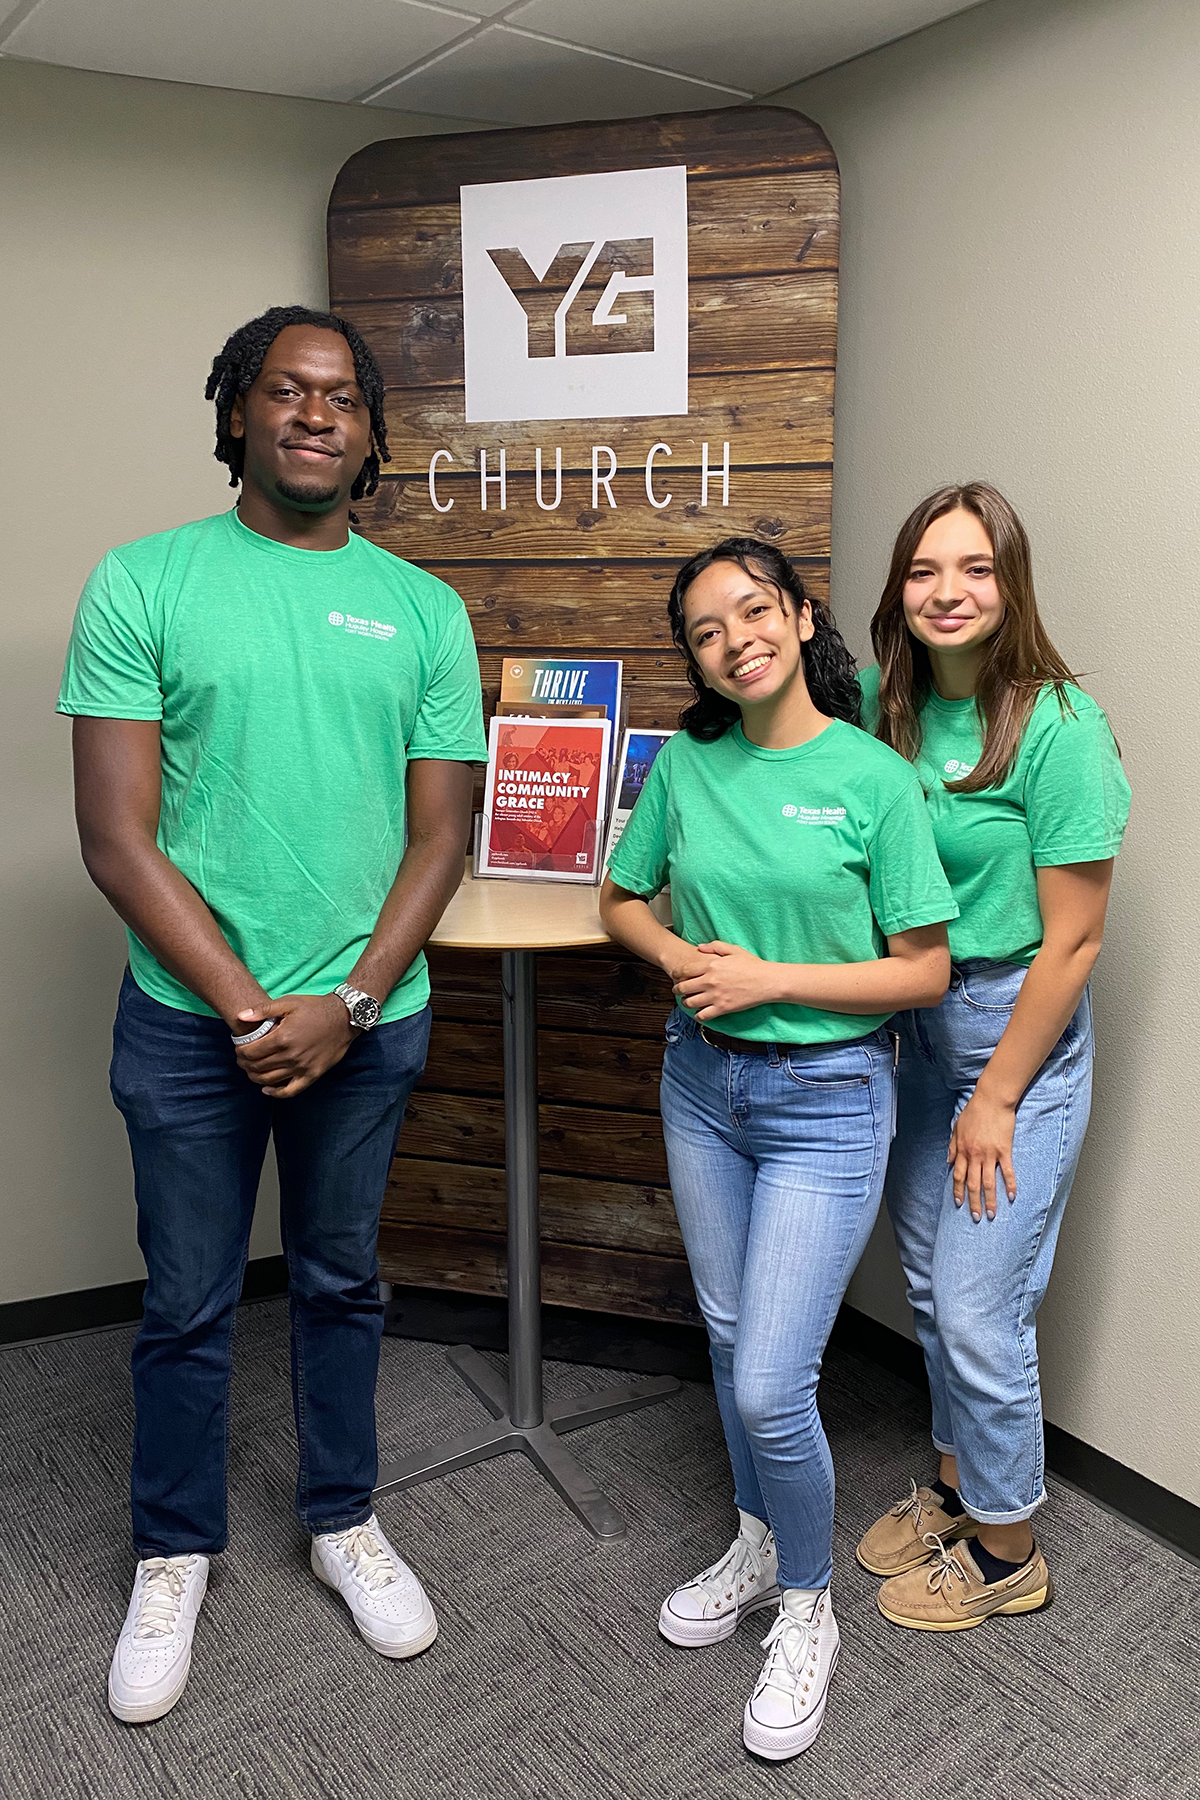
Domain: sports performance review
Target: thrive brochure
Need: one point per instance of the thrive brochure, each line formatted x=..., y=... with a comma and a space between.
x=544, y=803
x=638, y=752
x=540, y=687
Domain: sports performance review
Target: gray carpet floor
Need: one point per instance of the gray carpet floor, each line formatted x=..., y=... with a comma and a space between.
x=549, y=1680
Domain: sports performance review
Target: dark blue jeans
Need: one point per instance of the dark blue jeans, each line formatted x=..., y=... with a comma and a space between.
x=198, y=1130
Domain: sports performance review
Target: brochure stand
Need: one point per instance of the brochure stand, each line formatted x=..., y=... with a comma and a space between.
x=520, y=918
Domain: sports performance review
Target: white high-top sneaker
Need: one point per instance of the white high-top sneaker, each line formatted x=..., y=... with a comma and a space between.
x=153, y=1657
x=708, y=1608
x=786, y=1709
x=390, y=1607
x=788, y=1705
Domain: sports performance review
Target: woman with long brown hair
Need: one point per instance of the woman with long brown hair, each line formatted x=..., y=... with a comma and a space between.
x=1028, y=804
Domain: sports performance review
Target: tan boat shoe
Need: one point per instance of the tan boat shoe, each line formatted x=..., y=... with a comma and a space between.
x=950, y=1594
x=898, y=1541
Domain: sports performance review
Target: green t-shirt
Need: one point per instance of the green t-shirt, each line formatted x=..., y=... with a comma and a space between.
x=294, y=687
x=1065, y=800
x=809, y=855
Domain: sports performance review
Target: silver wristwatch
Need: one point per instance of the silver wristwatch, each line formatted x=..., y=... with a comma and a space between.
x=364, y=1009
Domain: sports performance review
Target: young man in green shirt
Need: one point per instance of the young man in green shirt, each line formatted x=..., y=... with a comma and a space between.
x=274, y=723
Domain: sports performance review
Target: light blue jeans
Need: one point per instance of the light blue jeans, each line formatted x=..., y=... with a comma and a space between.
x=777, y=1169
x=975, y=1289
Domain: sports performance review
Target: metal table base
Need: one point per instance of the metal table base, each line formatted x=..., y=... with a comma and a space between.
x=521, y=1421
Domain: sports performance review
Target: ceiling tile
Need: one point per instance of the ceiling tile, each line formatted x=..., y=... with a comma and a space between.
x=761, y=45
x=508, y=77
x=316, y=48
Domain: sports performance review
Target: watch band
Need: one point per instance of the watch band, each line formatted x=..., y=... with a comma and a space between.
x=364, y=1008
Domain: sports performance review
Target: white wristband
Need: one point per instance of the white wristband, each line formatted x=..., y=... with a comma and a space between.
x=252, y=1037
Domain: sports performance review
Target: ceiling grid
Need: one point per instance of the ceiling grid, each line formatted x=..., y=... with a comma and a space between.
x=520, y=62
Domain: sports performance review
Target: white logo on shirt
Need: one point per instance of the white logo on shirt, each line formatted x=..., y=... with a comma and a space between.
x=956, y=770
x=815, y=815
x=372, y=628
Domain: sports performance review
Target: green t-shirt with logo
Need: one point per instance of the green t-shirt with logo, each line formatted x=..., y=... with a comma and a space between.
x=809, y=855
x=294, y=687
x=1065, y=800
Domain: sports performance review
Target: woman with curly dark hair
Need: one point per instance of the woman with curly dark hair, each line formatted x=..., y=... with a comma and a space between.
x=808, y=905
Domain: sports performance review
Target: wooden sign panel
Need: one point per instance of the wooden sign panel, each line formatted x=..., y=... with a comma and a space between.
x=613, y=275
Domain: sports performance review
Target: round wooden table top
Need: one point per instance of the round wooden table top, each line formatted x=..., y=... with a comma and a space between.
x=499, y=914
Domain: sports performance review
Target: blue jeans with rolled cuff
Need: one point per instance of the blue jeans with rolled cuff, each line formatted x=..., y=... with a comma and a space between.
x=975, y=1288
x=777, y=1166
x=198, y=1130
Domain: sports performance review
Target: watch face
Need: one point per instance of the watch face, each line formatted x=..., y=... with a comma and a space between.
x=365, y=1012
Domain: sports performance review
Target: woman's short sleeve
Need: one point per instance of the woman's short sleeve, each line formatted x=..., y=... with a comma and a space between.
x=1075, y=791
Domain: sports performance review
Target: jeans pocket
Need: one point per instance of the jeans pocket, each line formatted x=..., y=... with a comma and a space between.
x=828, y=1068
x=993, y=990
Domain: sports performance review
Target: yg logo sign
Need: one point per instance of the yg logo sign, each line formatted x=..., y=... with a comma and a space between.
x=575, y=296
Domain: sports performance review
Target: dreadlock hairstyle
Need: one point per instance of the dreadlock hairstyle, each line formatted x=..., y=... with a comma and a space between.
x=829, y=668
x=240, y=362
x=1019, y=659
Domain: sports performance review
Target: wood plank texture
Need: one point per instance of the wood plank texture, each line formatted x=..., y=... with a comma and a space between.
x=613, y=1215
x=776, y=416
x=634, y=1284
x=561, y=605
x=788, y=507
x=573, y=1140
x=734, y=141
x=786, y=321
x=758, y=224
x=605, y=991
x=595, y=1070
x=586, y=577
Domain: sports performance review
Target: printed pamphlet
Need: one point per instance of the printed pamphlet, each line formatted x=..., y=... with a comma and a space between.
x=544, y=802
x=638, y=751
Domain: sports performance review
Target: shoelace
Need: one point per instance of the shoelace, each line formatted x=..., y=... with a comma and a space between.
x=720, y=1581
x=373, y=1564
x=912, y=1504
x=792, y=1644
x=945, y=1567
x=163, y=1581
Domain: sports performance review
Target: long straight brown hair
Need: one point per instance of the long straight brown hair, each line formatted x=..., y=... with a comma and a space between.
x=1020, y=659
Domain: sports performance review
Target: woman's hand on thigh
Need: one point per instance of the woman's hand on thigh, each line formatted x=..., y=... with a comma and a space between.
x=981, y=1140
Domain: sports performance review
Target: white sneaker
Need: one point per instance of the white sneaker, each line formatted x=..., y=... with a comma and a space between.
x=153, y=1657
x=390, y=1607
x=708, y=1609
x=786, y=1709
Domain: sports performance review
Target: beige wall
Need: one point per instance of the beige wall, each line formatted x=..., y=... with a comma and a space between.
x=139, y=223
x=1021, y=269
x=1020, y=281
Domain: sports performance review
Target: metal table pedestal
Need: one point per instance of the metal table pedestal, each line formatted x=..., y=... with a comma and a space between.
x=520, y=1421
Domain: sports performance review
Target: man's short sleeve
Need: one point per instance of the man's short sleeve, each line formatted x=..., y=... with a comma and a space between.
x=449, y=722
x=113, y=667
x=641, y=861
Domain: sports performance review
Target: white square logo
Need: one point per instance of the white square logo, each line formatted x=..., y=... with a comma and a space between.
x=575, y=296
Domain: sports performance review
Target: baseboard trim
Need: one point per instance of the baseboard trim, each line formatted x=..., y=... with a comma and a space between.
x=641, y=1346
x=104, y=1308
x=1133, y=1497
x=649, y=1347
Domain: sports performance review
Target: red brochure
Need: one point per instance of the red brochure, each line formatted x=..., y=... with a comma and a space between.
x=545, y=800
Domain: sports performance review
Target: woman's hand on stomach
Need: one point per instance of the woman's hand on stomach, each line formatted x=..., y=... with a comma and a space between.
x=732, y=980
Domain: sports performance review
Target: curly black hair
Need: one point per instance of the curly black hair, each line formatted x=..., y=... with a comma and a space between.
x=239, y=363
x=829, y=668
